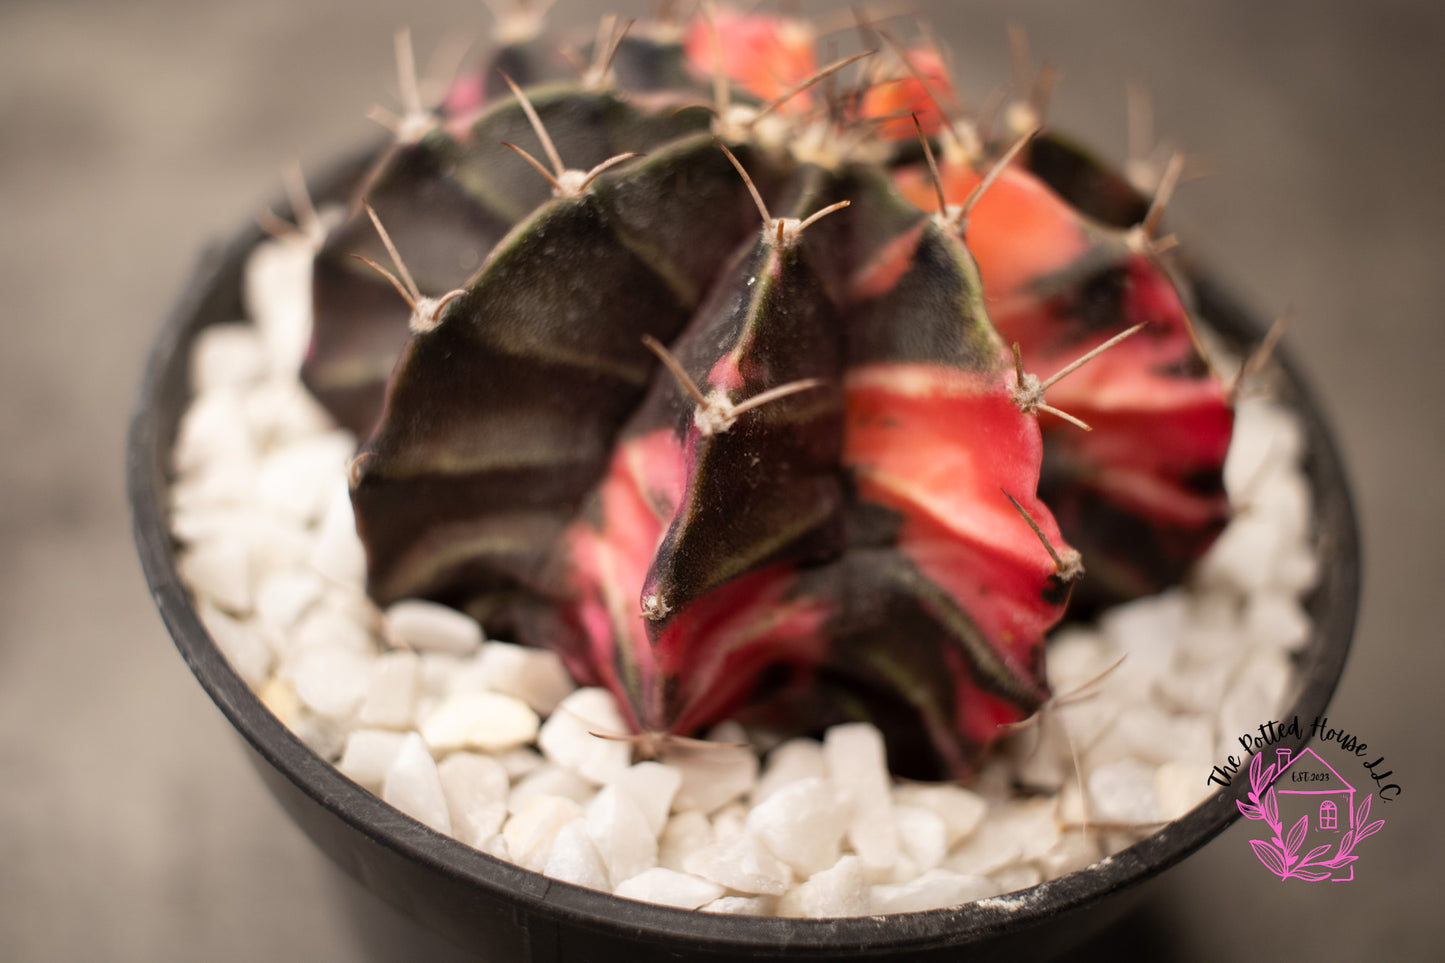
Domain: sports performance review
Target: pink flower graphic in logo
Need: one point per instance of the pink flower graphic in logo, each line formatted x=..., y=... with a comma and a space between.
x=1329, y=820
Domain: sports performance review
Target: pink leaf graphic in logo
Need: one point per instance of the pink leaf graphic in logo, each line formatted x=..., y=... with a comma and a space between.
x=1363, y=813
x=1269, y=856
x=1296, y=836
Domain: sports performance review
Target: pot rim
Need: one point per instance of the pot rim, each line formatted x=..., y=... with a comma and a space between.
x=214, y=288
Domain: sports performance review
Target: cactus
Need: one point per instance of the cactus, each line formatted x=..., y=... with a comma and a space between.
x=706, y=375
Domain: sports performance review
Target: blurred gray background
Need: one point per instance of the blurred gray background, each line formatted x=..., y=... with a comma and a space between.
x=131, y=827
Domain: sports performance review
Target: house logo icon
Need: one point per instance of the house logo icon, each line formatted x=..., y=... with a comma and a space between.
x=1325, y=821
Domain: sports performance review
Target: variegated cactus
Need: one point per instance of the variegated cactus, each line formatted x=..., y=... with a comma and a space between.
x=705, y=375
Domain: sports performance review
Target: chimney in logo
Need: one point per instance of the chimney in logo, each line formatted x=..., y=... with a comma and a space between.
x=1283, y=757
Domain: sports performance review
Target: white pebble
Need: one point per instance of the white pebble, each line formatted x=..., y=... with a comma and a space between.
x=369, y=754
x=686, y=833
x=574, y=858
x=283, y=596
x=1244, y=556
x=1193, y=689
x=653, y=786
x=838, y=891
x=713, y=776
x=1296, y=571
x=391, y=692
x=438, y=670
x=803, y=824
x=621, y=834
x=858, y=767
x=520, y=762
x=277, y=292
x=338, y=554
x=1213, y=637
x=567, y=736
x=331, y=680
x=1015, y=878
x=549, y=780
x=1088, y=720
x=669, y=888
x=495, y=846
x=1256, y=692
x=729, y=822
x=1147, y=733
x=226, y=357
x=432, y=627
x=1073, y=809
x=935, y=889
x=1276, y=619
x=1123, y=792
x=488, y=721
x=298, y=479
x=1266, y=440
x=1287, y=503
x=278, y=695
x=922, y=835
x=213, y=437
x=475, y=787
x=281, y=411
x=327, y=627
x=990, y=848
x=413, y=786
x=1074, y=851
x=1032, y=823
x=729, y=730
x=1179, y=789
x=1146, y=633
x=195, y=519
x=240, y=643
x=793, y=760
x=743, y=864
x=743, y=906
x=533, y=675
x=1040, y=756
x=960, y=809
x=220, y=573
x=1076, y=656
x=530, y=833
x=323, y=735
x=275, y=542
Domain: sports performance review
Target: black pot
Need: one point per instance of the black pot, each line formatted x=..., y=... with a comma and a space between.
x=501, y=912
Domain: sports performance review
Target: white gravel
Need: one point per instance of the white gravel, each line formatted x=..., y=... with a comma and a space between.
x=491, y=742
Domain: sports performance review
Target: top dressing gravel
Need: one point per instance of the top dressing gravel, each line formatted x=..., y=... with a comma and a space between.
x=491, y=742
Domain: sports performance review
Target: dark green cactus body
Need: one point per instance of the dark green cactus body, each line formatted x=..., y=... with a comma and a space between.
x=736, y=502
x=502, y=417
x=447, y=200
x=851, y=543
x=1090, y=186
x=767, y=486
